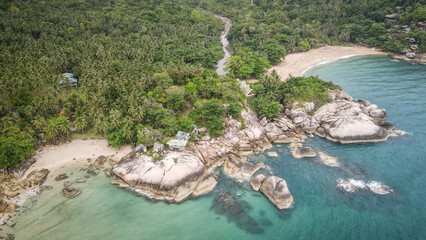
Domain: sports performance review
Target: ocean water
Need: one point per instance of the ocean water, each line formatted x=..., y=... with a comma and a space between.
x=320, y=211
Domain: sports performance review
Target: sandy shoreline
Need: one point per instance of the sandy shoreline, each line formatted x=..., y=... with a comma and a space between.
x=56, y=157
x=297, y=63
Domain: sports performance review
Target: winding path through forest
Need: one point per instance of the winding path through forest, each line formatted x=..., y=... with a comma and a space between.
x=221, y=65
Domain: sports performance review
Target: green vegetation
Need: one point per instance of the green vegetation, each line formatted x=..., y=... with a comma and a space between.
x=272, y=94
x=142, y=66
x=271, y=29
x=307, y=89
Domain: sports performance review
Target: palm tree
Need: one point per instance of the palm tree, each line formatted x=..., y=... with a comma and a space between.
x=127, y=133
x=51, y=130
x=64, y=125
x=39, y=123
x=115, y=116
x=80, y=123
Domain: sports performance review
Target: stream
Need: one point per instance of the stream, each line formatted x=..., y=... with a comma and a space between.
x=221, y=65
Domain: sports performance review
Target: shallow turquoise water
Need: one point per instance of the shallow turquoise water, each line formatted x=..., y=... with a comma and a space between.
x=321, y=211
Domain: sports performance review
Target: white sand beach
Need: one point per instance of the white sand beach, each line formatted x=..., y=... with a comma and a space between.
x=295, y=64
x=55, y=157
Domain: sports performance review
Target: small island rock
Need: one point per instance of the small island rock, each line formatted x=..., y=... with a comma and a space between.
x=70, y=192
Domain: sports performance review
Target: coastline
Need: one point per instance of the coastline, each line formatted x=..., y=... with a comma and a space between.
x=297, y=64
x=56, y=157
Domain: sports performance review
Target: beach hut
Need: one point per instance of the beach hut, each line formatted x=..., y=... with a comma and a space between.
x=72, y=81
x=421, y=25
x=391, y=18
x=246, y=89
x=183, y=136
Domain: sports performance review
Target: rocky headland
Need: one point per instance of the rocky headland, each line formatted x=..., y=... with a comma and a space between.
x=180, y=174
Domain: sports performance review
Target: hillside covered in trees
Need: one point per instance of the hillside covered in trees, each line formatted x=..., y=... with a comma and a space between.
x=145, y=68
x=264, y=31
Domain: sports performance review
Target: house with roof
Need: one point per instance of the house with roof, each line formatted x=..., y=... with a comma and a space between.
x=391, y=18
x=421, y=25
x=72, y=81
x=246, y=89
x=180, y=141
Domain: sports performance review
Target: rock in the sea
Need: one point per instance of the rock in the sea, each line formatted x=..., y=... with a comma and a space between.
x=67, y=183
x=256, y=182
x=41, y=176
x=100, y=161
x=272, y=154
x=61, y=177
x=239, y=168
x=304, y=152
x=108, y=172
x=173, y=177
x=328, y=160
x=70, y=192
x=379, y=188
x=347, y=121
x=276, y=190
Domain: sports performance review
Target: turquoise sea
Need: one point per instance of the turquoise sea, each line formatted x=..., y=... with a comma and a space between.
x=320, y=211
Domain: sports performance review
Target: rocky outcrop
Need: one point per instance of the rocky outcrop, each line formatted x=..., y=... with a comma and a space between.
x=304, y=152
x=240, y=169
x=70, y=192
x=343, y=120
x=256, y=182
x=328, y=160
x=275, y=189
x=174, y=177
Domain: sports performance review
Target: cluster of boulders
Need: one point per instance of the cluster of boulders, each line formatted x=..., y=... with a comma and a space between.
x=12, y=186
x=178, y=175
x=343, y=119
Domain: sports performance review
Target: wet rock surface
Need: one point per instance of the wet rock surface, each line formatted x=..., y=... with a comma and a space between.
x=61, y=177
x=70, y=192
x=276, y=190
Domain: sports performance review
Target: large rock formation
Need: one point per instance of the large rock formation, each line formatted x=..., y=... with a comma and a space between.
x=275, y=189
x=174, y=177
x=343, y=120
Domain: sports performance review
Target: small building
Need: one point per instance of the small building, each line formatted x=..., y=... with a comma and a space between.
x=140, y=148
x=158, y=147
x=246, y=89
x=391, y=18
x=183, y=136
x=411, y=40
x=393, y=36
x=177, y=144
x=414, y=47
x=421, y=25
x=406, y=30
x=72, y=81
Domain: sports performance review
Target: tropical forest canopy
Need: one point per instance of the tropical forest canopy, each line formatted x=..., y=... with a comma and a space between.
x=145, y=68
